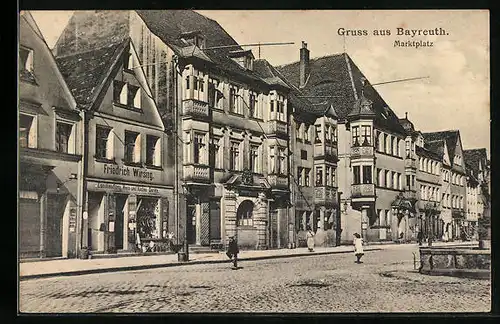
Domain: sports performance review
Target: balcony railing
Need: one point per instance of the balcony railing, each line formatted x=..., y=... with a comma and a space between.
x=197, y=173
x=276, y=127
x=278, y=181
x=361, y=151
x=325, y=194
x=363, y=190
x=325, y=151
x=194, y=108
x=410, y=163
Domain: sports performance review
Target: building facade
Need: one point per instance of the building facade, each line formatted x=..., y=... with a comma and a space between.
x=49, y=151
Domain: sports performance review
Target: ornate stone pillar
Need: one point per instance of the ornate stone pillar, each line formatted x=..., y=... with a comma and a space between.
x=261, y=219
x=230, y=215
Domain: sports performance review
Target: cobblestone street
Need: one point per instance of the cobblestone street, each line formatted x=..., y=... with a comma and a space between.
x=385, y=282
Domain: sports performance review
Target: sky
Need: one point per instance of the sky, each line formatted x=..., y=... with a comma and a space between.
x=454, y=96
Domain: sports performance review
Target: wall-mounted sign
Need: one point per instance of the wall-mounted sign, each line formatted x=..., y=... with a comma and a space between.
x=72, y=219
x=141, y=173
x=114, y=187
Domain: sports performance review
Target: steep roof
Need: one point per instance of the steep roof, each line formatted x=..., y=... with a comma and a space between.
x=474, y=157
x=451, y=138
x=437, y=147
x=337, y=78
x=423, y=151
x=86, y=72
x=170, y=25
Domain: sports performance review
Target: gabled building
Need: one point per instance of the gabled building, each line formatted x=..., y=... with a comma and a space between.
x=230, y=126
x=455, y=180
x=129, y=166
x=371, y=166
x=50, y=152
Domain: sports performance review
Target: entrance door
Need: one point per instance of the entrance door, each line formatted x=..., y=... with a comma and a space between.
x=191, y=224
x=56, y=205
x=120, y=205
x=274, y=228
x=215, y=220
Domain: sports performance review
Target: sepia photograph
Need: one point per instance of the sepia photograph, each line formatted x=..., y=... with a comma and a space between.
x=253, y=161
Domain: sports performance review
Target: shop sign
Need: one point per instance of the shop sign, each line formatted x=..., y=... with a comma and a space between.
x=72, y=219
x=141, y=173
x=126, y=188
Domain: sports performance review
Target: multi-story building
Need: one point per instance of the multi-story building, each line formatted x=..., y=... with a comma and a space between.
x=371, y=167
x=454, y=182
x=128, y=167
x=230, y=126
x=477, y=166
x=49, y=151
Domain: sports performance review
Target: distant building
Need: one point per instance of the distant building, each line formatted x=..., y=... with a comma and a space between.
x=49, y=152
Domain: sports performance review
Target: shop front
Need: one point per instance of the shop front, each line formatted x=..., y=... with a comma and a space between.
x=127, y=217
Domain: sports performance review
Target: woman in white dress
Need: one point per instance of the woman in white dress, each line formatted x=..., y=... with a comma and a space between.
x=358, y=247
x=310, y=240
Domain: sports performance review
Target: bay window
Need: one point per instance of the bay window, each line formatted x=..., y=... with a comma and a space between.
x=200, y=148
x=366, y=135
x=367, y=174
x=355, y=136
x=318, y=136
x=319, y=176
x=356, y=175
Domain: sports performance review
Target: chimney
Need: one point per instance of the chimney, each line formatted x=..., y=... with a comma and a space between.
x=304, y=65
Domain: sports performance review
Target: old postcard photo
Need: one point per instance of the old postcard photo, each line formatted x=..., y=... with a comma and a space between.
x=299, y=161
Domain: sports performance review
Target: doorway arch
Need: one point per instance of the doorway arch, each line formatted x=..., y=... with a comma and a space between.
x=244, y=214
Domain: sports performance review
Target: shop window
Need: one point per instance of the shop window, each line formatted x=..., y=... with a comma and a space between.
x=367, y=174
x=132, y=147
x=134, y=96
x=356, y=175
x=104, y=143
x=153, y=150
x=65, y=138
x=27, y=131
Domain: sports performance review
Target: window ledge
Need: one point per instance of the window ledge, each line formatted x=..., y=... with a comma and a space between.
x=133, y=164
x=105, y=160
x=131, y=108
x=154, y=167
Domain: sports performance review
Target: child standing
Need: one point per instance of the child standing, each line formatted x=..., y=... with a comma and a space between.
x=358, y=247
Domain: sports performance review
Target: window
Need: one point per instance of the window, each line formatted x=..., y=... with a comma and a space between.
x=282, y=161
x=298, y=131
x=306, y=133
x=408, y=148
x=380, y=140
x=153, y=150
x=27, y=131
x=332, y=175
x=367, y=174
x=307, y=177
x=388, y=179
x=213, y=93
x=394, y=180
x=128, y=61
x=254, y=158
x=134, y=96
x=199, y=149
x=400, y=183
x=356, y=175
x=104, y=143
x=408, y=181
x=232, y=99
x=64, y=138
x=245, y=213
x=120, y=92
x=26, y=59
x=366, y=135
x=299, y=176
x=319, y=176
x=132, y=147
x=234, y=154
x=334, y=134
x=252, y=105
x=413, y=181
x=318, y=136
x=303, y=154
x=327, y=176
x=355, y=136
x=387, y=143
x=380, y=177
x=394, y=146
x=218, y=151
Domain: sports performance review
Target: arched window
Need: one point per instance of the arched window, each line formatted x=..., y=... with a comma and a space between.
x=244, y=215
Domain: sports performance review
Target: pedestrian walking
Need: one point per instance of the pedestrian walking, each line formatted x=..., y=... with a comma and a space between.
x=310, y=240
x=358, y=247
x=232, y=251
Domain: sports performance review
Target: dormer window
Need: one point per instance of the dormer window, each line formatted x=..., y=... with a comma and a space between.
x=26, y=59
x=243, y=58
x=128, y=62
x=126, y=94
x=134, y=96
x=194, y=38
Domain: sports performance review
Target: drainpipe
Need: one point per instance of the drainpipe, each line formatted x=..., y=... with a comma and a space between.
x=83, y=247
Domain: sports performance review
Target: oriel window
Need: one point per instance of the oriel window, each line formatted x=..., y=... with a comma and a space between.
x=355, y=135
x=319, y=176
x=356, y=175
x=199, y=148
x=366, y=134
x=367, y=174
